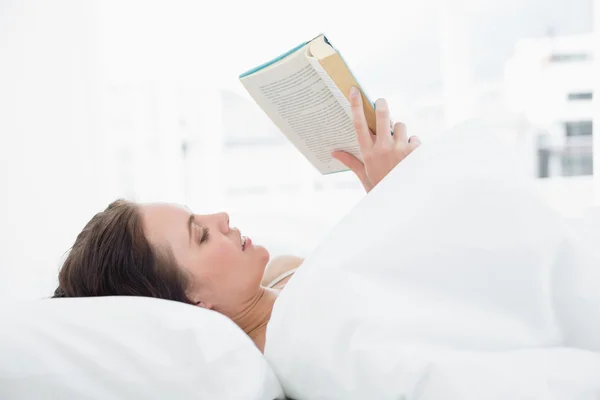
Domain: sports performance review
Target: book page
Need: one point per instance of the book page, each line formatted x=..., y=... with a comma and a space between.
x=298, y=98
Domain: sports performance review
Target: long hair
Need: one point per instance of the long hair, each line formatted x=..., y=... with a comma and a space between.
x=112, y=257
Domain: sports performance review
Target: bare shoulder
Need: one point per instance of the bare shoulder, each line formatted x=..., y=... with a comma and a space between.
x=280, y=265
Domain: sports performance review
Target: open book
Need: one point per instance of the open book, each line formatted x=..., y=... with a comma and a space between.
x=305, y=93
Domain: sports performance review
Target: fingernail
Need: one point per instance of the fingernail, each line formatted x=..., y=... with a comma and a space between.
x=353, y=91
x=380, y=104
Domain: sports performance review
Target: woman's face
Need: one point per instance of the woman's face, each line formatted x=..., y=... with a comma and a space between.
x=224, y=274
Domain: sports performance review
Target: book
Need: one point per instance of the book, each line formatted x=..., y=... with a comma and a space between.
x=305, y=93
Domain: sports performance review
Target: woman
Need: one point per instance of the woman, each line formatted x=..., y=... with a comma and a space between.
x=166, y=251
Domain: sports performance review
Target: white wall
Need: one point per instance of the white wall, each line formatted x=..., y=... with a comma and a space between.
x=59, y=154
x=597, y=103
x=456, y=61
x=572, y=197
x=539, y=88
x=48, y=148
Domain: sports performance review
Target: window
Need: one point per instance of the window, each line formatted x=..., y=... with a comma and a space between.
x=570, y=57
x=572, y=158
x=230, y=142
x=244, y=126
x=580, y=96
x=577, y=162
x=544, y=163
x=544, y=156
x=579, y=128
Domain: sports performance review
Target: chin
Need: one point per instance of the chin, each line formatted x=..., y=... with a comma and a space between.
x=262, y=253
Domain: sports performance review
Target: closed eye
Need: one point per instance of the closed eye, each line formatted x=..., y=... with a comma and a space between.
x=203, y=236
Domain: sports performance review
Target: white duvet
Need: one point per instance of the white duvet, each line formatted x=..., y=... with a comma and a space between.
x=450, y=280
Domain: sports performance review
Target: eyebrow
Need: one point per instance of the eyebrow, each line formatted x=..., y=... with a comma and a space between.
x=189, y=226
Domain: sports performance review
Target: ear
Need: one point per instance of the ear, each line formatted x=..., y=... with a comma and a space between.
x=195, y=297
x=203, y=304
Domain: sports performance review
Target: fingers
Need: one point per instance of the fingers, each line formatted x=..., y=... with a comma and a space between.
x=382, y=121
x=414, y=142
x=400, y=132
x=400, y=137
x=363, y=134
x=354, y=165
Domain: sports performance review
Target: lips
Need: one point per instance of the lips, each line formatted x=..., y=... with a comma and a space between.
x=246, y=242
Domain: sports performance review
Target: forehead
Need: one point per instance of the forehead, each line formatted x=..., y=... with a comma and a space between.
x=165, y=224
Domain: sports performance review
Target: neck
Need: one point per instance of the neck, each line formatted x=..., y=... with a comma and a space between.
x=255, y=314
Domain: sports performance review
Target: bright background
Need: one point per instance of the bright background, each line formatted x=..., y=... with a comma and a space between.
x=140, y=99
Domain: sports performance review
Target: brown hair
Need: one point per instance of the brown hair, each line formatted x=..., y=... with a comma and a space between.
x=112, y=257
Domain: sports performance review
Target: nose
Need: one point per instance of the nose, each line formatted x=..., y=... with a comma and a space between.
x=223, y=218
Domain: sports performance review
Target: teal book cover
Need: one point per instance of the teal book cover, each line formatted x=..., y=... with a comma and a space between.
x=295, y=49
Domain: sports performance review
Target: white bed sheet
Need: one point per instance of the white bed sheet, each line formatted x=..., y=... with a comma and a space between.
x=451, y=279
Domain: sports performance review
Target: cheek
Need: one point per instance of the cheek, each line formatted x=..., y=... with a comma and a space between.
x=221, y=265
x=212, y=263
x=224, y=258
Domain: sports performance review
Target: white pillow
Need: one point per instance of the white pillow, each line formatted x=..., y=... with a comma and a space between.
x=127, y=348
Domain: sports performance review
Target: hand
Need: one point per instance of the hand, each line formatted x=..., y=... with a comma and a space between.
x=381, y=152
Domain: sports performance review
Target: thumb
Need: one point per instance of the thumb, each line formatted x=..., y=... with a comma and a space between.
x=355, y=166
